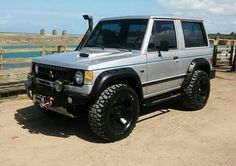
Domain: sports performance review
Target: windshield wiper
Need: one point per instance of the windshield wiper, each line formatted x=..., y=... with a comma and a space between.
x=109, y=46
x=124, y=48
x=95, y=46
x=120, y=47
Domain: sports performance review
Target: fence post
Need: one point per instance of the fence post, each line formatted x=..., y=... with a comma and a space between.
x=215, y=52
x=63, y=48
x=54, y=32
x=60, y=49
x=234, y=61
x=1, y=53
x=42, y=34
x=1, y=57
x=231, y=52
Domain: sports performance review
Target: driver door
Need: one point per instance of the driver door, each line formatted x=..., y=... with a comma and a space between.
x=163, y=66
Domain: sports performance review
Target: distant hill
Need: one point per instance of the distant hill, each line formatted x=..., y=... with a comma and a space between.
x=222, y=36
x=18, y=33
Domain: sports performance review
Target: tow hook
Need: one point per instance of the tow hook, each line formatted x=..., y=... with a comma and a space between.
x=48, y=103
x=30, y=94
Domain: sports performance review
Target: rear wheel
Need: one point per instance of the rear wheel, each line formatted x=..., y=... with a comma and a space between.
x=196, y=94
x=114, y=115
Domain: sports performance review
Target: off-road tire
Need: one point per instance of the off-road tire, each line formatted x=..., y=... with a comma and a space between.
x=101, y=111
x=190, y=98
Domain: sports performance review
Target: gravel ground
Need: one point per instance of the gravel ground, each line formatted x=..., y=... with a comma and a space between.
x=165, y=135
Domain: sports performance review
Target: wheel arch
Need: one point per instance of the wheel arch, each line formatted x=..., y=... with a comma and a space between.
x=201, y=64
x=197, y=64
x=126, y=76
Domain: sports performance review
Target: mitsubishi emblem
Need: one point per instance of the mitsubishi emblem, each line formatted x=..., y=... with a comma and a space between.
x=51, y=74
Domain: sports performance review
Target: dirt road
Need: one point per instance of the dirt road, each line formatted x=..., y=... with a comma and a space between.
x=168, y=136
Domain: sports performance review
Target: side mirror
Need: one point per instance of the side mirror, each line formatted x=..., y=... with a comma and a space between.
x=164, y=46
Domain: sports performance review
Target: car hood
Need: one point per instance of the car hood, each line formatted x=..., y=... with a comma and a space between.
x=96, y=57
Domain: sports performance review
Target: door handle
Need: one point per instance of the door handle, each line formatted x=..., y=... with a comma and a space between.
x=175, y=57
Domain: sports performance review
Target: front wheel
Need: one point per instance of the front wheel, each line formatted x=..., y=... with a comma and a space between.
x=114, y=115
x=197, y=92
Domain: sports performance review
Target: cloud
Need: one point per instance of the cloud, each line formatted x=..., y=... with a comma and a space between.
x=219, y=15
x=216, y=7
x=47, y=13
x=34, y=20
x=5, y=19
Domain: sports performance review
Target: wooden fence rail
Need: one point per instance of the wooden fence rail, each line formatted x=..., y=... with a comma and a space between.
x=12, y=81
x=229, y=59
x=32, y=43
x=50, y=43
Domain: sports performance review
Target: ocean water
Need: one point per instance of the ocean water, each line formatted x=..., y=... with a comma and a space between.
x=20, y=55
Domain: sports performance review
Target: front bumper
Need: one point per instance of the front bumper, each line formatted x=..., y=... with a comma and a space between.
x=42, y=92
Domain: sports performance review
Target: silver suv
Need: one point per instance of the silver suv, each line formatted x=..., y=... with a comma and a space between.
x=122, y=64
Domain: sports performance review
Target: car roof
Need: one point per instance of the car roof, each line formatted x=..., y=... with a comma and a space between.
x=172, y=17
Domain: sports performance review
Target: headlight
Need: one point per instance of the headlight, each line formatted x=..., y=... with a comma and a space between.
x=36, y=69
x=79, y=78
x=88, y=77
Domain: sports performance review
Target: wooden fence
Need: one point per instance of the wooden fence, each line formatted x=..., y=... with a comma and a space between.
x=12, y=80
x=50, y=43
x=31, y=43
x=224, y=51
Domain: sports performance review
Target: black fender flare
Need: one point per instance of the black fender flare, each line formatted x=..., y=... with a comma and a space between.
x=121, y=75
x=198, y=63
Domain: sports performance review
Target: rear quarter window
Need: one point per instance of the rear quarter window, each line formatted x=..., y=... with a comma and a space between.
x=194, y=34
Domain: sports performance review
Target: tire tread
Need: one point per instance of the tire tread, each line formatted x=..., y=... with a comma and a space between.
x=98, y=108
x=188, y=100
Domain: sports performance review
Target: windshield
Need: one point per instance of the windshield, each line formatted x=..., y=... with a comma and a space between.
x=123, y=34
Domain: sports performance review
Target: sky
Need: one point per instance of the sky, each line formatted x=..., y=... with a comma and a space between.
x=29, y=16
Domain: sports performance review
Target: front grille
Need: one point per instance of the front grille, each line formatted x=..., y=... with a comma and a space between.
x=53, y=73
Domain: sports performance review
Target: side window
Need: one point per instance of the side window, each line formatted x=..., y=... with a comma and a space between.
x=194, y=34
x=163, y=31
